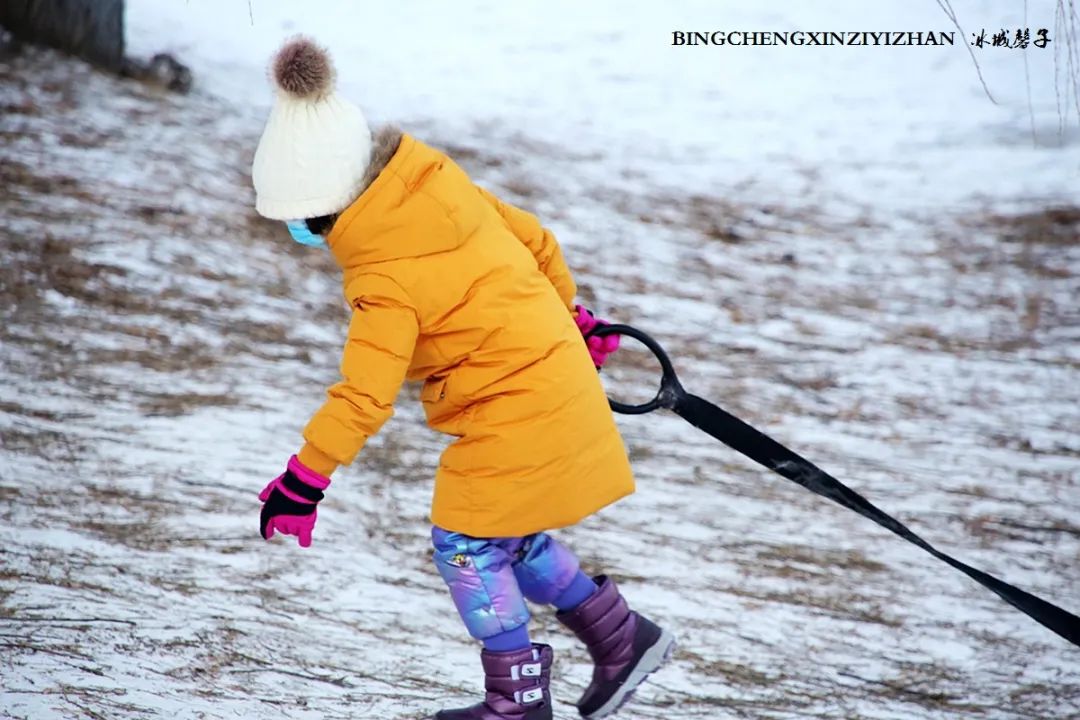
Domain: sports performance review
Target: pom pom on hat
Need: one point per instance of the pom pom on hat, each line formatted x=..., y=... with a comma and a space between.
x=303, y=69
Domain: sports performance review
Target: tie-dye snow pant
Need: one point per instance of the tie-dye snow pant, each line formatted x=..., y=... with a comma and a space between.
x=490, y=578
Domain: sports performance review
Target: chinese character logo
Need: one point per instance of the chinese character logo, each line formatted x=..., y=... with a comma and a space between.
x=1019, y=39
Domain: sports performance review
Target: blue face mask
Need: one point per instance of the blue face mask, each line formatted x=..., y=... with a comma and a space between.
x=300, y=233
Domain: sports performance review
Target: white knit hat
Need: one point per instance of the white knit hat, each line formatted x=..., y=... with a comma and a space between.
x=316, y=145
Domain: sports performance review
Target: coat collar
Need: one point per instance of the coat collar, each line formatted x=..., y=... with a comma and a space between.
x=399, y=215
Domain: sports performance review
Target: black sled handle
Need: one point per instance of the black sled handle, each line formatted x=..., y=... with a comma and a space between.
x=670, y=392
x=762, y=449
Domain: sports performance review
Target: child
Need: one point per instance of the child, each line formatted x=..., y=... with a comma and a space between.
x=454, y=288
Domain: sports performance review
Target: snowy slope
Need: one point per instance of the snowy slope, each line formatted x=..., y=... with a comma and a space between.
x=811, y=232
x=892, y=126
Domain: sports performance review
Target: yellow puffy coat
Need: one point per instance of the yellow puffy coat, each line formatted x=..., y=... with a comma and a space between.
x=472, y=296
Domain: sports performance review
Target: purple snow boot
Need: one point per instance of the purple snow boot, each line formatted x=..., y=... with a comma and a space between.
x=517, y=687
x=624, y=646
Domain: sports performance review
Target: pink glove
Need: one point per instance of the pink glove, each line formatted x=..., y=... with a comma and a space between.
x=289, y=502
x=599, y=347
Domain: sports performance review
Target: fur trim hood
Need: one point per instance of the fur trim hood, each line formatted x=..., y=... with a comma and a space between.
x=384, y=143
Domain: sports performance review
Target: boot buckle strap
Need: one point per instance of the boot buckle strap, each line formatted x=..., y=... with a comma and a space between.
x=525, y=670
x=527, y=697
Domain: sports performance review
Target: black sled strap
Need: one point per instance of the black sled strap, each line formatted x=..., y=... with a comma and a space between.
x=759, y=447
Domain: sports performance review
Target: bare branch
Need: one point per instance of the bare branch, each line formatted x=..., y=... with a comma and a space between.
x=946, y=7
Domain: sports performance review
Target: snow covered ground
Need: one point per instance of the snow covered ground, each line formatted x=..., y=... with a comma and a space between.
x=852, y=248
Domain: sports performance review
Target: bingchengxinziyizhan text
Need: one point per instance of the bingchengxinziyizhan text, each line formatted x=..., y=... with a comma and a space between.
x=1019, y=39
x=822, y=38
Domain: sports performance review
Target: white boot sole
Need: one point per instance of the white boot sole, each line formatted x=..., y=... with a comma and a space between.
x=653, y=659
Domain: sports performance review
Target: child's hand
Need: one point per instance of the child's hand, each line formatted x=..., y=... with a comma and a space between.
x=599, y=347
x=289, y=502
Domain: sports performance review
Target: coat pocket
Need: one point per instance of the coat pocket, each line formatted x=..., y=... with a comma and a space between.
x=433, y=391
x=445, y=412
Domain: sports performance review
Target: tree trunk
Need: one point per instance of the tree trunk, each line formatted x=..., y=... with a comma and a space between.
x=90, y=29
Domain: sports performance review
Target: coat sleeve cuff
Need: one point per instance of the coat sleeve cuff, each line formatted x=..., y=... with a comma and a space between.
x=317, y=460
